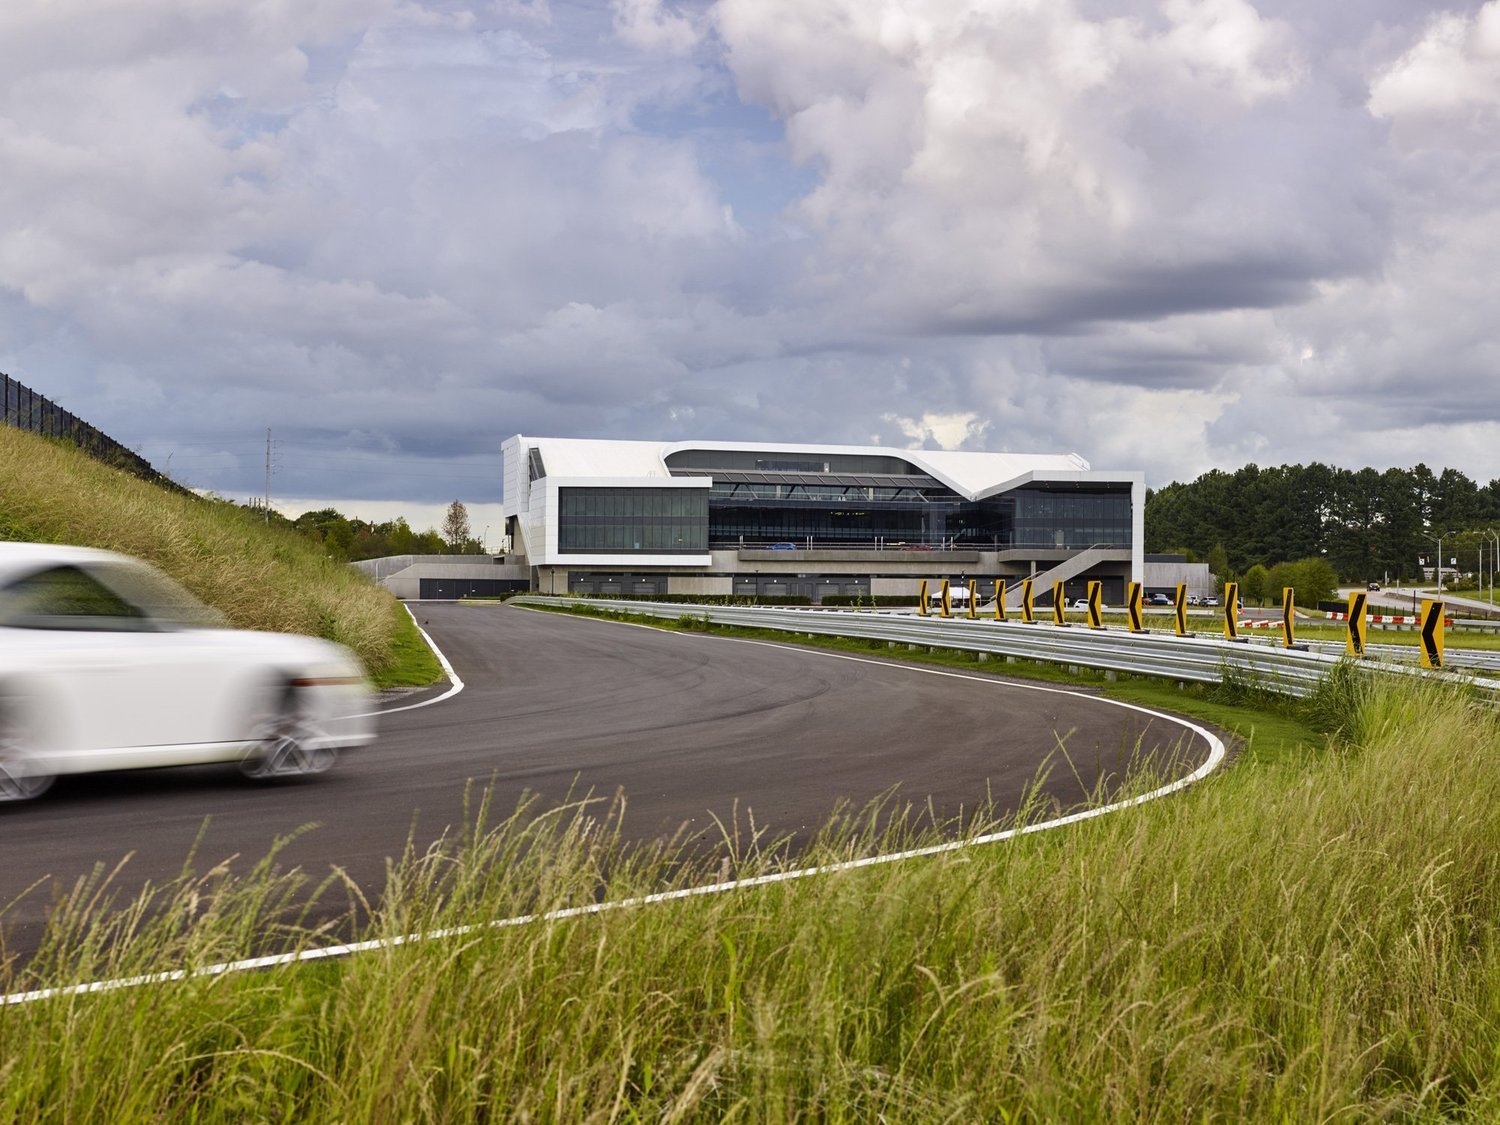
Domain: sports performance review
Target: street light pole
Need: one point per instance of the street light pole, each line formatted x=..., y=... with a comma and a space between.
x=1491, y=533
x=1438, y=569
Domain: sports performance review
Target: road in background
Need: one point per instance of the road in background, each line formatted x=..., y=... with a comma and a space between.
x=688, y=726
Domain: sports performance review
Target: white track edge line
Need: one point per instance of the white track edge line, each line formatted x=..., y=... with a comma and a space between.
x=457, y=684
x=1216, y=756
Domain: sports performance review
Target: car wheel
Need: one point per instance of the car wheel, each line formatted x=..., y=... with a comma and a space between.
x=18, y=780
x=286, y=746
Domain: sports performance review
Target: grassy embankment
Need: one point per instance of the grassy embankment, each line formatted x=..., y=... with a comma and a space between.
x=259, y=578
x=1309, y=938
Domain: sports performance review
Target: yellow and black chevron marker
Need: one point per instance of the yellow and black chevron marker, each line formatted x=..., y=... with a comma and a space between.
x=922, y=598
x=999, y=599
x=947, y=600
x=1288, y=615
x=1096, y=605
x=973, y=599
x=1356, y=644
x=1432, y=634
x=1232, y=610
x=1028, y=610
x=1133, y=607
x=1058, y=605
x=1182, y=609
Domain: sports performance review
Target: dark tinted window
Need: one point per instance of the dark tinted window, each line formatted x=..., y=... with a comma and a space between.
x=68, y=598
x=624, y=520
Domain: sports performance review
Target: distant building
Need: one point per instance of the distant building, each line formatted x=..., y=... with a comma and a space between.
x=720, y=518
x=1163, y=573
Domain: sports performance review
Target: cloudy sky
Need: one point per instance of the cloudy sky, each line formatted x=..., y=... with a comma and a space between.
x=1168, y=235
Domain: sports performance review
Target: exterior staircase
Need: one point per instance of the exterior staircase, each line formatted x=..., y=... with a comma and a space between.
x=1069, y=568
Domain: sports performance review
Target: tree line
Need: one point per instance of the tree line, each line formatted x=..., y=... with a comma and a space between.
x=351, y=539
x=1363, y=524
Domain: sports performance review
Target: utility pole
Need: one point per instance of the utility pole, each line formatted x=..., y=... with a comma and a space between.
x=268, y=477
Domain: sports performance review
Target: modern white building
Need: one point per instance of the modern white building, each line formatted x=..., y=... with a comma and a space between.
x=720, y=518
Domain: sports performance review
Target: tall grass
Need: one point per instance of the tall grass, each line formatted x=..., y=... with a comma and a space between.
x=259, y=578
x=1306, y=941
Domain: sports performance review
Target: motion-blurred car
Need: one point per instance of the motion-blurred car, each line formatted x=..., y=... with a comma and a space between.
x=107, y=664
x=1160, y=599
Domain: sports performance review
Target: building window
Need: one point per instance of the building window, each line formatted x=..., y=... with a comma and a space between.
x=658, y=521
x=1071, y=520
x=767, y=466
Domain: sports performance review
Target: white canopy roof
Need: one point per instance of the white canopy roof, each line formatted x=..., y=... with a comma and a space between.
x=969, y=474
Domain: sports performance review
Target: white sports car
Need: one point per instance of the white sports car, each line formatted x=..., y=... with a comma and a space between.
x=107, y=664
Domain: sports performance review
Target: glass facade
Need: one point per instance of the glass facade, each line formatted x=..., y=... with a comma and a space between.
x=1045, y=518
x=1037, y=517
x=659, y=521
x=1072, y=519
x=825, y=524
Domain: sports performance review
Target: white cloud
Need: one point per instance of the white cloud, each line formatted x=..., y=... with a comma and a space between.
x=947, y=431
x=1454, y=68
x=1014, y=165
x=651, y=25
x=1256, y=56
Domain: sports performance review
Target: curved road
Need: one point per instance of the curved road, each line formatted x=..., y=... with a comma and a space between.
x=687, y=725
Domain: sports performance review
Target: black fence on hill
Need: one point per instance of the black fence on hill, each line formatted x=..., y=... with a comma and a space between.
x=37, y=414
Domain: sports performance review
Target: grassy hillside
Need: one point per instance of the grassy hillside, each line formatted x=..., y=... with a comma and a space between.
x=259, y=578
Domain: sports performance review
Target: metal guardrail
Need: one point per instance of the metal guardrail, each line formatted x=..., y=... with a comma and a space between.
x=1196, y=659
x=1468, y=660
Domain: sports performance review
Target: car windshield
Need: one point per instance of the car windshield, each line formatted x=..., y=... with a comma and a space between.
x=102, y=597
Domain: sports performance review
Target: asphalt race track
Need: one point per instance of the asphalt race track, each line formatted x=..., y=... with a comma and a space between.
x=687, y=725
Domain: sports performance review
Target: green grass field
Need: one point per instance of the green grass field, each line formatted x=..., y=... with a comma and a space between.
x=259, y=578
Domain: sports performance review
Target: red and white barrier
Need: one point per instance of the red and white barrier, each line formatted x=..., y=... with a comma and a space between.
x=1386, y=619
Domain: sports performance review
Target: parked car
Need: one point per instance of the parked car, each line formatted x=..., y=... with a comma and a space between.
x=107, y=664
x=783, y=547
x=1194, y=599
x=1211, y=600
